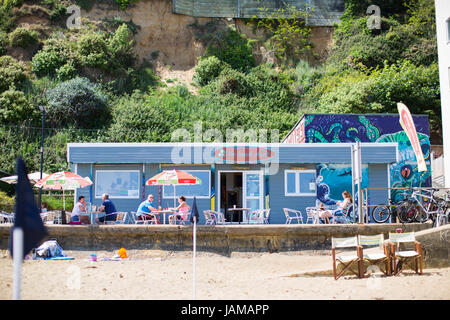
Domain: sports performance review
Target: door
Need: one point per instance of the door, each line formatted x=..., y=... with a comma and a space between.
x=252, y=191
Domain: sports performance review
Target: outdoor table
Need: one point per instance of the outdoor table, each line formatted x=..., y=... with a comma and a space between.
x=241, y=210
x=92, y=215
x=164, y=212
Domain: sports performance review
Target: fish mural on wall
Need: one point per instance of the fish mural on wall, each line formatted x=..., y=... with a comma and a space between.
x=350, y=128
x=333, y=179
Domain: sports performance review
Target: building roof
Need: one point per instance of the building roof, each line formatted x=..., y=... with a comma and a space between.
x=226, y=153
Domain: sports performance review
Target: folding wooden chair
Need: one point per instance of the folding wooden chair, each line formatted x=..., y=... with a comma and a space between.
x=376, y=258
x=292, y=214
x=349, y=260
x=406, y=258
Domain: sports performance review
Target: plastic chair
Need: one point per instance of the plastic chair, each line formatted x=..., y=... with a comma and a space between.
x=347, y=261
x=209, y=218
x=292, y=214
x=312, y=215
x=401, y=259
x=6, y=217
x=376, y=258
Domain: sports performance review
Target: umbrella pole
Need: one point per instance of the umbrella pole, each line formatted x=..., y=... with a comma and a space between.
x=194, y=253
x=174, y=197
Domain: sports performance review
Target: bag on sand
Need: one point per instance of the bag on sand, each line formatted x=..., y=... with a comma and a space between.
x=49, y=249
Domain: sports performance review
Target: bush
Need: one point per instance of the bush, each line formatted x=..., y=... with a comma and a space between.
x=93, y=49
x=208, y=69
x=66, y=72
x=233, y=48
x=79, y=103
x=14, y=107
x=6, y=203
x=120, y=47
x=12, y=73
x=3, y=42
x=23, y=37
x=55, y=54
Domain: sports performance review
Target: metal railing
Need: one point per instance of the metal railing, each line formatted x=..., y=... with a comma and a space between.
x=365, y=197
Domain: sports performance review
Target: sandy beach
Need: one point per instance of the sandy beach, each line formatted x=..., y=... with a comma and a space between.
x=163, y=275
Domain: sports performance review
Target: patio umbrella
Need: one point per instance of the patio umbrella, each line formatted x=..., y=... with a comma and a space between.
x=63, y=180
x=33, y=177
x=174, y=178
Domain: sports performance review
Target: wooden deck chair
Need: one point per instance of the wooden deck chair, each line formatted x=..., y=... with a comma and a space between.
x=349, y=260
x=292, y=214
x=376, y=258
x=402, y=259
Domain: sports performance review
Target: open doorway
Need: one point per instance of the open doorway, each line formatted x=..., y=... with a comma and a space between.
x=231, y=194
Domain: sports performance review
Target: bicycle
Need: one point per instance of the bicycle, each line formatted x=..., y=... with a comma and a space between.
x=421, y=206
x=382, y=213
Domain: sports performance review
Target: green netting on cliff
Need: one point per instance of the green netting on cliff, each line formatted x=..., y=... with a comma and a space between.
x=323, y=13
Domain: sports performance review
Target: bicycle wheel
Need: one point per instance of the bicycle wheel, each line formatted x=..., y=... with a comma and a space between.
x=406, y=212
x=381, y=214
x=421, y=215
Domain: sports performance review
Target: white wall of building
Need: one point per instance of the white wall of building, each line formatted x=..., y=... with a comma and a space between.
x=443, y=39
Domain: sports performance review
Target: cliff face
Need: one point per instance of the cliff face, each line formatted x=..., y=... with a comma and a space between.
x=172, y=35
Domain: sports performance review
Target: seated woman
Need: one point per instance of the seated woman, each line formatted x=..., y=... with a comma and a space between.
x=182, y=209
x=343, y=205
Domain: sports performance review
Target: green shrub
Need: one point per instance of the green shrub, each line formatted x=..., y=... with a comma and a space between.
x=6, y=203
x=12, y=73
x=54, y=54
x=93, y=49
x=3, y=42
x=208, y=69
x=14, y=107
x=233, y=48
x=120, y=47
x=23, y=37
x=125, y=3
x=78, y=103
x=66, y=72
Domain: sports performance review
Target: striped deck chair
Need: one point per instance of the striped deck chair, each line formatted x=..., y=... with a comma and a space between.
x=347, y=261
x=401, y=259
x=376, y=258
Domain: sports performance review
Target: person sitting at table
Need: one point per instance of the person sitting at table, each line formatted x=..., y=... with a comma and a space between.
x=182, y=209
x=144, y=209
x=342, y=206
x=109, y=208
x=324, y=213
x=78, y=209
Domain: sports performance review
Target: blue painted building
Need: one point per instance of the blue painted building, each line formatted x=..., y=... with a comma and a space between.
x=274, y=176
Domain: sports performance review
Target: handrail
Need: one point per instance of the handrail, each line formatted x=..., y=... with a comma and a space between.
x=365, y=196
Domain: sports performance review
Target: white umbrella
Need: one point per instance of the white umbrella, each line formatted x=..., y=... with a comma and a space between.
x=33, y=177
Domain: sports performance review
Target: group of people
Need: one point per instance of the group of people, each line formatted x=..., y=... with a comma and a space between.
x=144, y=211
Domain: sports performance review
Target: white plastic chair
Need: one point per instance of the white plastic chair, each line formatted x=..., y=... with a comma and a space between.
x=209, y=219
x=292, y=214
x=312, y=215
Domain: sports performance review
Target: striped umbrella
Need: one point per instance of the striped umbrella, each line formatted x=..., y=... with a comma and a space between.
x=174, y=178
x=63, y=180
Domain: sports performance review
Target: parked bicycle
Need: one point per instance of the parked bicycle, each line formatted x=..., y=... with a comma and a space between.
x=382, y=213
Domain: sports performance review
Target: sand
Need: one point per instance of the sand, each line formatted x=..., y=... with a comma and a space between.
x=163, y=275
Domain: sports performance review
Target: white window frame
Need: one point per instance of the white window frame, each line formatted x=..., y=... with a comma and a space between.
x=297, y=183
x=113, y=196
x=191, y=197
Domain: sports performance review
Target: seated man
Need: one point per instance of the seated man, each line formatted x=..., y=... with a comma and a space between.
x=144, y=209
x=109, y=209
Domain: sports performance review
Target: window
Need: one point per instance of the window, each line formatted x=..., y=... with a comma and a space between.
x=117, y=183
x=300, y=182
x=202, y=190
